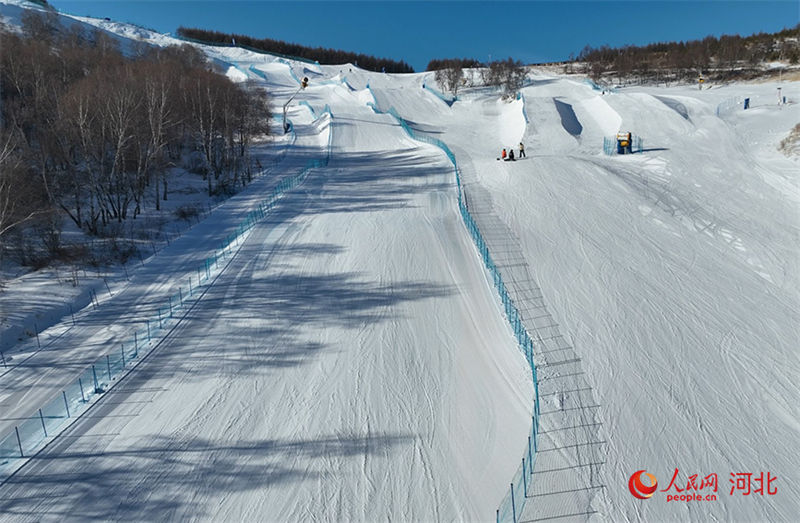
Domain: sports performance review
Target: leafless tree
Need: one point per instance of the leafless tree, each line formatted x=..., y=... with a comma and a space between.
x=19, y=199
x=507, y=74
x=451, y=76
x=92, y=133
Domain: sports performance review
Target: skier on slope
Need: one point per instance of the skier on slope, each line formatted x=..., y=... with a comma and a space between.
x=521, y=150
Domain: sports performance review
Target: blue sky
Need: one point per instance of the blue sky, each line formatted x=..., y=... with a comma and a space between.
x=417, y=31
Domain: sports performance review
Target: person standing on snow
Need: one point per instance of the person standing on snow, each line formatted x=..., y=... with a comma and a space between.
x=503, y=155
x=521, y=150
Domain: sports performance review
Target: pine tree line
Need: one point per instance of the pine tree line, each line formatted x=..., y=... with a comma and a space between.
x=319, y=54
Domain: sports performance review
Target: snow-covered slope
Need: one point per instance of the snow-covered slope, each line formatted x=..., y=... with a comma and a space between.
x=352, y=361
x=674, y=273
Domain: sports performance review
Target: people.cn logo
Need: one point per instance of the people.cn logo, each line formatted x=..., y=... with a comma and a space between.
x=639, y=489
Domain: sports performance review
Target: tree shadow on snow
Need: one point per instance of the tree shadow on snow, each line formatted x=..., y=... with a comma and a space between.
x=166, y=478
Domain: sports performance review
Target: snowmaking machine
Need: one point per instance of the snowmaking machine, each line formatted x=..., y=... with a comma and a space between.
x=624, y=143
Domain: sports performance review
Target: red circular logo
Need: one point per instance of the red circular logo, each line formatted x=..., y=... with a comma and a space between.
x=639, y=489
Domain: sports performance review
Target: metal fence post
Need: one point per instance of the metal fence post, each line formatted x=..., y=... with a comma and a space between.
x=19, y=442
x=66, y=405
x=41, y=417
x=524, y=478
x=96, y=385
x=122, y=350
x=513, y=505
x=108, y=362
x=530, y=453
x=80, y=384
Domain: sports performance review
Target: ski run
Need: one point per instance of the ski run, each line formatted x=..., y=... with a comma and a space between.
x=350, y=359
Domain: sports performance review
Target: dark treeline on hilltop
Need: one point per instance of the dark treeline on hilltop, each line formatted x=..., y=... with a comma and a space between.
x=320, y=54
x=89, y=134
x=721, y=58
x=438, y=64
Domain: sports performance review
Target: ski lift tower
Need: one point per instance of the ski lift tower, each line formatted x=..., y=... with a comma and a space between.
x=303, y=85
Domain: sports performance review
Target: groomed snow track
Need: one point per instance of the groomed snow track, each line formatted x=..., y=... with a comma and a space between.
x=349, y=362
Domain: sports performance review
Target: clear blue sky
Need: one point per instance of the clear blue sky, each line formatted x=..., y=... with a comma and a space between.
x=417, y=31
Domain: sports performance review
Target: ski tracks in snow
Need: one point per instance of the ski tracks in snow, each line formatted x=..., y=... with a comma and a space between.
x=566, y=483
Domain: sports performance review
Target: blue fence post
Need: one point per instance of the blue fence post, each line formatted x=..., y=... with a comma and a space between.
x=530, y=452
x=80, y=384
x=41, y=417
x=513, y=505
x=148, y=329
x=122, y=350
x=108, y=363
x=19, y=442
x=524, y=478
x=66, y=405
x=96, y=384
x=135, y=345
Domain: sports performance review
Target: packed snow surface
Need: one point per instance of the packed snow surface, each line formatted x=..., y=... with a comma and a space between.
x=352, y=361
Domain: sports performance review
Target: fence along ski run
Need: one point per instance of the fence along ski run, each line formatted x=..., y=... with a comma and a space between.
x=512, y=504
x=30, y=435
